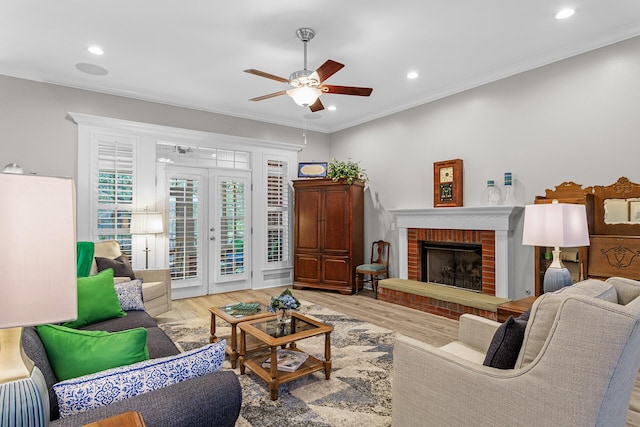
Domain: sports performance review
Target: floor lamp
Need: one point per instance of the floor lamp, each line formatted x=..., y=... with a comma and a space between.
x=37, y=286
x=146, y=223
x=555, y=225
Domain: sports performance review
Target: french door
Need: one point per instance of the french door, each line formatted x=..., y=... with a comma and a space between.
x=209, y=216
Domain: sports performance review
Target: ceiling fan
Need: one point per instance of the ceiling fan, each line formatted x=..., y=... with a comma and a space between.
x=308, y=85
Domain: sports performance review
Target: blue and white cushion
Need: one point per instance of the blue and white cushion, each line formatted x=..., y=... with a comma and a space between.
x=130, y=295
x=103, y=388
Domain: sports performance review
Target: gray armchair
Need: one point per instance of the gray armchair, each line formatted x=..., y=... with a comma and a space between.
x=576, y=367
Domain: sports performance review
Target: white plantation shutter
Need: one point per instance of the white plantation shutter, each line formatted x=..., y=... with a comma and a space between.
x=184, y=207
x=277, y=211
x=114, y=186
x=231, y=203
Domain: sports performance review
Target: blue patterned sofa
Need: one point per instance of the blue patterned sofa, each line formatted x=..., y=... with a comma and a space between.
x=208, y=400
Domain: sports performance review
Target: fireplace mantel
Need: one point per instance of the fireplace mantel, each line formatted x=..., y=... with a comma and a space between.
x=501, y=219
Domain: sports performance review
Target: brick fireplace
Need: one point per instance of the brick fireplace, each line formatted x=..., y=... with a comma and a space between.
x=490, y=227
x=481, y=224
x=484, y=238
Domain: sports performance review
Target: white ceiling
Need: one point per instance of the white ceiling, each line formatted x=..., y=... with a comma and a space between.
x=192, y=53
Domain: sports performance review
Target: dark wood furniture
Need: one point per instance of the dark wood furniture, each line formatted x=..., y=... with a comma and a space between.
x=328, y=234
x=514, y=308
x=377, y=267
x=615, y=248
x=127, y=419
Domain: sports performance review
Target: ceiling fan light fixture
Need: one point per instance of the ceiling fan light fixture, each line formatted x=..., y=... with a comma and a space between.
x=305, y=95
x=304, y=78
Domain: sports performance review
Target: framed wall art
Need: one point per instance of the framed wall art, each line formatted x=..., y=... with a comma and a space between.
x=447, y=183
x=312, y=170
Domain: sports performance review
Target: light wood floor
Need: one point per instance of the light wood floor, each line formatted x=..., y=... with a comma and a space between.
x=429, y=328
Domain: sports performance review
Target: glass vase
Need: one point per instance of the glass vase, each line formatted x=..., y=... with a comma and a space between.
x=283, y=316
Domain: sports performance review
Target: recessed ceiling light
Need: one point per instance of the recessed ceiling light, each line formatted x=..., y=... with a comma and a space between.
x=96, y=50
x=412, y=75
x=331, y=108
x=565, y=13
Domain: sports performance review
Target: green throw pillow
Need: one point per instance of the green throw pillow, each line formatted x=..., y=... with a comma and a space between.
x=73, y=353
x=97, y=300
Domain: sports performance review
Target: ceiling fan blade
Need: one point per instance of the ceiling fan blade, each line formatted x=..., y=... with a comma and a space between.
x=271, y=95
x=267, y=75
x=347, y=90
x=328, y=69
x=316, y=106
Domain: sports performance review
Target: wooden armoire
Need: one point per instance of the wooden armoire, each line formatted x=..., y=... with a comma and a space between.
x=328, y=234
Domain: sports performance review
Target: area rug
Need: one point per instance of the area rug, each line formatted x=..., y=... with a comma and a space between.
x=358, y=393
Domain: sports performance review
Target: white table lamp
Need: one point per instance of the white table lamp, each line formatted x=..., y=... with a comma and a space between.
x=38, y=284
x=146, y=223
x=556, y=225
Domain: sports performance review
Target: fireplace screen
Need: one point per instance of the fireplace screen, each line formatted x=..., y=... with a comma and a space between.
x=452, y=264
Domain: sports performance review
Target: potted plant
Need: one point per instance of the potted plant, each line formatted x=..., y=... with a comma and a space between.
x=349, y=171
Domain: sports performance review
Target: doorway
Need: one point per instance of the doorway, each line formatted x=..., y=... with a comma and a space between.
x=209, y=230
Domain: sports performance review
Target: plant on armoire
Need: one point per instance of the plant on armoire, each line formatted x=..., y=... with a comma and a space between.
x=349, y=171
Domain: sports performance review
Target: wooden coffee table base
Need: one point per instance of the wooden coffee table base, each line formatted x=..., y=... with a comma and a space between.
x=232, y=341
x=272, y=376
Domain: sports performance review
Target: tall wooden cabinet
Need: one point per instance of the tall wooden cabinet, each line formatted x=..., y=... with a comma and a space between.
x=328, y=234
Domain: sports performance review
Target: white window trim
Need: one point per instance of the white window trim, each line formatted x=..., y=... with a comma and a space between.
x=149, y=195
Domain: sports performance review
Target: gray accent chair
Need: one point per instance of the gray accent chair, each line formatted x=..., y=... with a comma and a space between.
x=577, y=366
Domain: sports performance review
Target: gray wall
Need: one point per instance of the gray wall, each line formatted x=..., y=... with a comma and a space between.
x=35, y=133
x=575, y=120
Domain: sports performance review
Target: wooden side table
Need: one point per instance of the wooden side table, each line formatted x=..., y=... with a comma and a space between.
x=514, y=308
x=233, y=318
x=127, y=419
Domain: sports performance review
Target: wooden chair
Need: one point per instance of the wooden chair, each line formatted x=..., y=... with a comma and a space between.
x=379, y=266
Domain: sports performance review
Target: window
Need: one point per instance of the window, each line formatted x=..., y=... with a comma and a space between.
x=232, y=232
x=184, y=261
x=277, y=211
x=114, y=181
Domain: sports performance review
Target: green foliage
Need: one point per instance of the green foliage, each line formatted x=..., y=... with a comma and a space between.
x=349, y=171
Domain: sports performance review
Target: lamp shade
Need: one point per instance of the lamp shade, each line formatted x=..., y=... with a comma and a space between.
x=555, y=224
x=304, y=95
x=38, y=250
x=146, y=223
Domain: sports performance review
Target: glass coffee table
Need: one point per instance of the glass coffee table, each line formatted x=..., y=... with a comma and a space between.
x=234, y=314
x=273, y=335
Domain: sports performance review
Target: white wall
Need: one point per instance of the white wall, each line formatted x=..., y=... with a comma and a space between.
x=35, y=133
x=575, y=120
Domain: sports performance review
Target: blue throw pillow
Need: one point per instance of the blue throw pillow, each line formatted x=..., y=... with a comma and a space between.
x=113, y=385
x=130, y=295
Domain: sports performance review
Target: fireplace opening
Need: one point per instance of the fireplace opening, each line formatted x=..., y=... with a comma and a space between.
x=452, y=264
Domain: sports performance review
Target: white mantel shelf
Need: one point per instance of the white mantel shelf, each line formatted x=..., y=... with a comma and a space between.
x=501, y=219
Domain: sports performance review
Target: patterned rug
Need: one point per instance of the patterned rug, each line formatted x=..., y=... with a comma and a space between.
x=358, y=393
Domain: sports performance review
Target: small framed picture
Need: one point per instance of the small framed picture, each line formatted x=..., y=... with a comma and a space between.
x=312, y=170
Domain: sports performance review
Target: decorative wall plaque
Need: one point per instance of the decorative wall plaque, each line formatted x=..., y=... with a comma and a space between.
x=447, y=183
